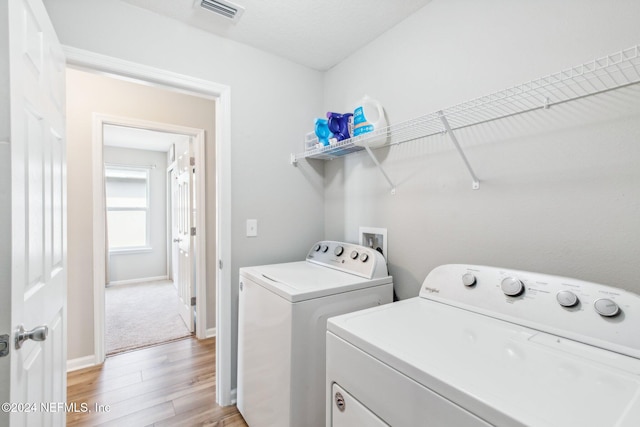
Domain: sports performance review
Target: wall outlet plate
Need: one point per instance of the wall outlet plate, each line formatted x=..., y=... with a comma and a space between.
x=375, y=238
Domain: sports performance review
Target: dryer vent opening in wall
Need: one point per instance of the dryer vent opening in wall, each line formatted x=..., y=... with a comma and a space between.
x=227, y=9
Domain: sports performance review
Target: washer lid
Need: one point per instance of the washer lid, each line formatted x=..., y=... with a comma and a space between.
x=303, y=280
x=502, y=372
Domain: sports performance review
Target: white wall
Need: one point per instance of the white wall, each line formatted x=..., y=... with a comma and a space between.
x=273, y=102
x=141, y=265
x=559, y=191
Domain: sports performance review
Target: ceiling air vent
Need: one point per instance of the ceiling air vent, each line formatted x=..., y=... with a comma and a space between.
x=225, y=8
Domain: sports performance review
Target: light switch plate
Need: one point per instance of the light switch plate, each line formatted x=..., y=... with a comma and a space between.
x=252, y=228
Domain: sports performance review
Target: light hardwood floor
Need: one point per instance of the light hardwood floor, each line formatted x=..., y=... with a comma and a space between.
x=171, y=384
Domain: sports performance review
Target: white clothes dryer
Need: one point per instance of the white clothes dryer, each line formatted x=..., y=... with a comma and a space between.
x=282, y=321
x=487, y=346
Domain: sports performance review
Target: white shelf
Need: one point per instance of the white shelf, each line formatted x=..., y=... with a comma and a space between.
x=611, y=72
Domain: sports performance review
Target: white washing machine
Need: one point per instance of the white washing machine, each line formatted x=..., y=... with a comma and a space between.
x=282, y=323
x=487, y=346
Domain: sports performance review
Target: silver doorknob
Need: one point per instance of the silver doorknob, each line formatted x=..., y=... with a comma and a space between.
x=177, y=240
x=39, y=333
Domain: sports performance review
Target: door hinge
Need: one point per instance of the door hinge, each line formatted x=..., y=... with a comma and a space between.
x=220, y=264
x=193, y=301
x=4, y=345
x=193, y=231
x=192, y=161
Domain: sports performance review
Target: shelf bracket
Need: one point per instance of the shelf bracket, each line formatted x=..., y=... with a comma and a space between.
x=476, y=182
x=293, y=161
x=375, y=160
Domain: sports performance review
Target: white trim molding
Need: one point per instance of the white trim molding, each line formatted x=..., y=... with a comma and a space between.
x=99, y=219
x=211, y=332
x=140, y=73
x=99, y=242
x=81, y=363
x=221, y=94
x=140, y=280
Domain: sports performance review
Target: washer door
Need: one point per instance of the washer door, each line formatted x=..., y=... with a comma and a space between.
x=346, y=411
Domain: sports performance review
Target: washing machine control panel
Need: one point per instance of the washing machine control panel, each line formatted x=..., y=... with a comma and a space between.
x=350, y=258
x=592, y=313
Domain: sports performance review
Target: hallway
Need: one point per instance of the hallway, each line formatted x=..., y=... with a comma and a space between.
x=142, y=314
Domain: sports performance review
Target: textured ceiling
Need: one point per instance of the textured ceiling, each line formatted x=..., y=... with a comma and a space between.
x=315, y=33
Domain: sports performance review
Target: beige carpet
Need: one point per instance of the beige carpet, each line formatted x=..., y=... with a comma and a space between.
x=141, y=314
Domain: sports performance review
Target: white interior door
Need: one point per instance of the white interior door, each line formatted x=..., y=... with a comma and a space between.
x=183, y=241
x=38, y=218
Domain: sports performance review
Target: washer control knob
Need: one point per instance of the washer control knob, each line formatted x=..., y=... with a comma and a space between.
x=512, y=286
x=316, y=248
x=324, y=248
x=354, y=254
x=567, y=298
x=339, y=250
x=364, y=257
x=468, y=279
x=605, y=307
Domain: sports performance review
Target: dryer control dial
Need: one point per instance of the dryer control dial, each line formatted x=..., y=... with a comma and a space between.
x=567, y=298
x=512, y=286
x=338, y=250
x=324, y=248
x=468, y=279
x=354, y=254
x=316, y=248
x=605, y=307
x=364, y=257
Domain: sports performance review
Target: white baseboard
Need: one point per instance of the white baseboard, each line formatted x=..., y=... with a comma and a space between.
x=210, y=333
x=81, y=363
x=144, y=279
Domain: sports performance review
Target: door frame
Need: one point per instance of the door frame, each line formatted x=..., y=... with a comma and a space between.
x=99, y=219
x=221, y=95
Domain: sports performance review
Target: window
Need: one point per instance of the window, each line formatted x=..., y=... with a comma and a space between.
x=127, y=190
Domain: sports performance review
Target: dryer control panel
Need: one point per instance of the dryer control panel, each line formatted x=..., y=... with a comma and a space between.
x=595, y=314
x=350, y=258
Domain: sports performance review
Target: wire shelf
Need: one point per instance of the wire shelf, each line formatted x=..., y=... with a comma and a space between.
x=613, y=71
